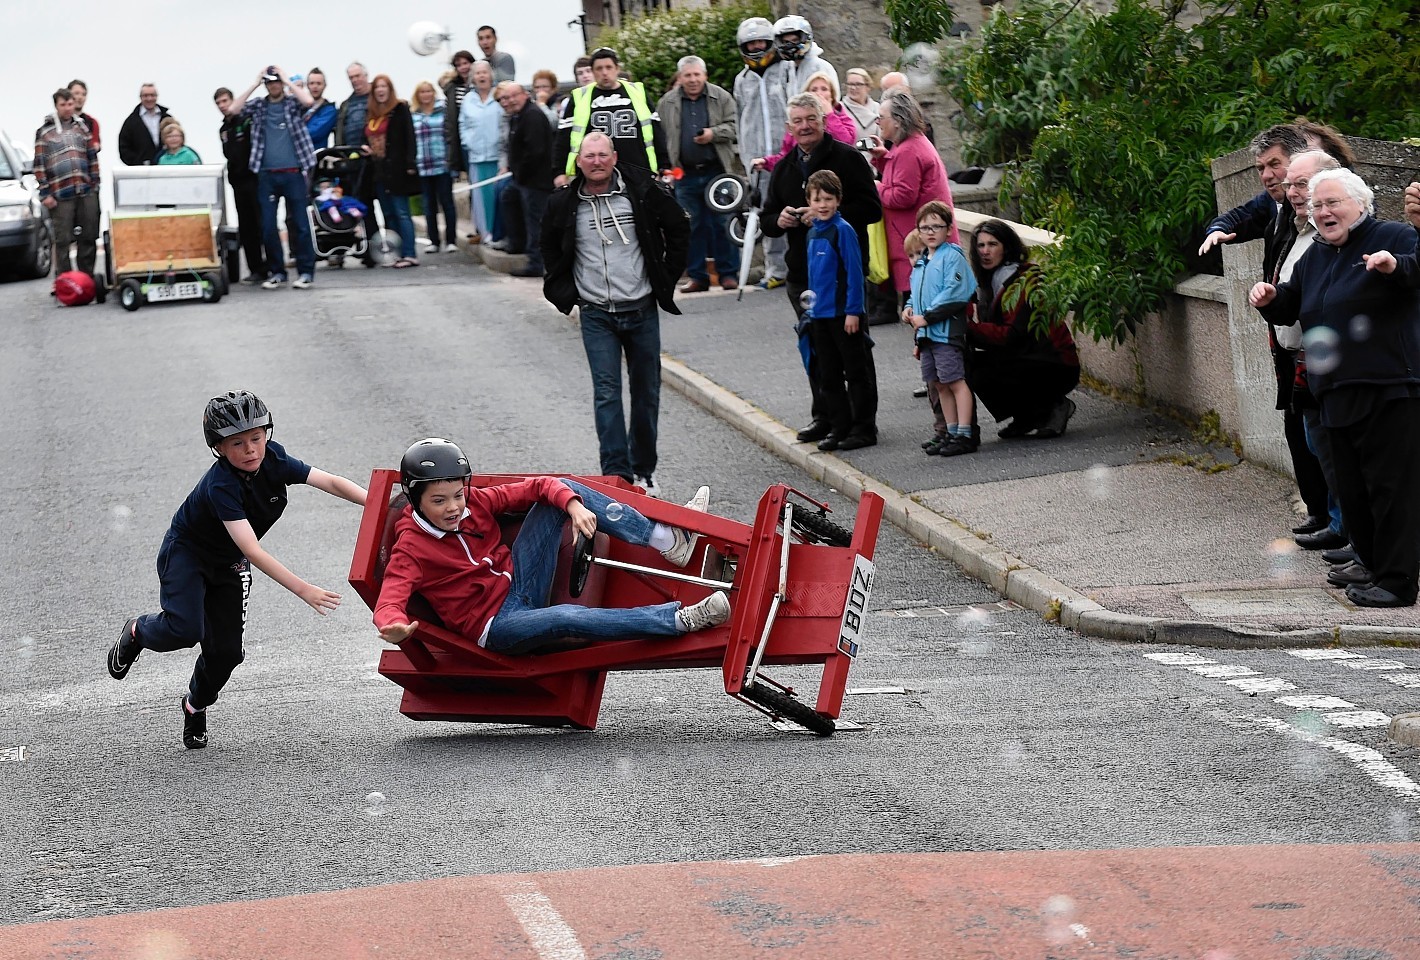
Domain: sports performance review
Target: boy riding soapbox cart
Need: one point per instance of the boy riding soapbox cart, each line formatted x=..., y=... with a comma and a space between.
x=798, y=586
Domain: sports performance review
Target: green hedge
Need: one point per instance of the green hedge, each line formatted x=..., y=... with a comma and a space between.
x=650, y=46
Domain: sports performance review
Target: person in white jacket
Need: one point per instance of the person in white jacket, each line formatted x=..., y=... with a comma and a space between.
x=763, y=97
x=802, y=58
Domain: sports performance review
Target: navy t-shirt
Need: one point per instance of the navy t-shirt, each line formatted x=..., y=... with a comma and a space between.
x=226, y=493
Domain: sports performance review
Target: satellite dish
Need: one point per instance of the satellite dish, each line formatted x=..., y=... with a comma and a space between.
x=426, y=37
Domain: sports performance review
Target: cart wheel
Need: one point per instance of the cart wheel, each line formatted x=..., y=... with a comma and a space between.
x=581, y=565
x=212, y=289
x=817, y=528
x=738, y=223
x=130, y=295
x=787, y=707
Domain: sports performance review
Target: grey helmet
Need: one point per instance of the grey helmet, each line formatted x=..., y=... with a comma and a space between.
x=756, y=28
x=428, y=460
x=793, y=49
x=234, y=412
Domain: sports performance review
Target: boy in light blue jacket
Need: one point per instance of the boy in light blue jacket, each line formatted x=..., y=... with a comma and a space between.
x=940, y=291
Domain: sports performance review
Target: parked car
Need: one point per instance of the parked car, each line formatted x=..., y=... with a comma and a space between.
x=26, y=234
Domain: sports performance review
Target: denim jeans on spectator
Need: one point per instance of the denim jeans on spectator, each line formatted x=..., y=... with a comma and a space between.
x=439, y=192
x=271, y=188
x=709, y=231
x=397, y=218
x=1318, y=442
x=605, y=335
x=525, y=621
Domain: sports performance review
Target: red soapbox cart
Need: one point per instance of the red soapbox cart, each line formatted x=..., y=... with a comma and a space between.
x=798, y=585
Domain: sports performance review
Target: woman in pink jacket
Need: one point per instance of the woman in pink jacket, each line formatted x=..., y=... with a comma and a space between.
x=911, y=174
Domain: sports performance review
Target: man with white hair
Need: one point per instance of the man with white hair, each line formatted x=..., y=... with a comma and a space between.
x=699, y=119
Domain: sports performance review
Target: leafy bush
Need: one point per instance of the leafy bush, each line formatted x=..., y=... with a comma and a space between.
x=649, y=46
x=1113, y=119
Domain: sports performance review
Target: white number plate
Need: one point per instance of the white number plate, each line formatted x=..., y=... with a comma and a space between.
x=174, y=291
x=855, y=608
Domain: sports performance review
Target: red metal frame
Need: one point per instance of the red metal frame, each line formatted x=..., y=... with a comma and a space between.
x=449, y=677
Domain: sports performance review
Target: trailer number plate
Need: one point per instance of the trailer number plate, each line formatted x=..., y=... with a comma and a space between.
x=855, y=608
x=174, y=291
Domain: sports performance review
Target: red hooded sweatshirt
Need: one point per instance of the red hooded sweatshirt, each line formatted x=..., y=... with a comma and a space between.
x=465, y=575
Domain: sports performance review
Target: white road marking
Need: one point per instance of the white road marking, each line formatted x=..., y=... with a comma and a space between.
x=1324, y=654
x=1411, y=680
x=1261, y=684
x=1306, y=702
x=1178, y=659
x=551, y=937
x=1373, y=664
x=771, y=861
x=1221, y=670
x=1368, y=761
x=1358, y=719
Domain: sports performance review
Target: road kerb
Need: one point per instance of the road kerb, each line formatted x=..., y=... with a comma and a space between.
x=978, y=557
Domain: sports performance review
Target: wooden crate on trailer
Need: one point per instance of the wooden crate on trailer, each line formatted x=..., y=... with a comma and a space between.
x=164, y=240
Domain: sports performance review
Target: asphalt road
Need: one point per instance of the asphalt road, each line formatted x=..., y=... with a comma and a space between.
x=1009, y=733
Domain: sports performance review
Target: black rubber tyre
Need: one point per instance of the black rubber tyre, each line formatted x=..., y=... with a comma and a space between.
x=817, y=528
x=41, y=259
x=212, y=292
x=580, y=567
x=788, y=708
x=130, y=295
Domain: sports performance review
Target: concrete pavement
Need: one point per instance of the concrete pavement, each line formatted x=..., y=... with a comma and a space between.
x=1126, y=528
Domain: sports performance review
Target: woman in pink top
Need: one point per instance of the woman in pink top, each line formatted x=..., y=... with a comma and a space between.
x=837, y=121
x=911, y=174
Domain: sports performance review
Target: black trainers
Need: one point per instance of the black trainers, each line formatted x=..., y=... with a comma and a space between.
x=124, y=651
x=194, y=726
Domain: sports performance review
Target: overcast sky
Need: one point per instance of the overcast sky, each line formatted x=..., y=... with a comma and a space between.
x=190, y=48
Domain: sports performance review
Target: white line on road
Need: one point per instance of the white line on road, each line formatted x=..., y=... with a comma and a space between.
x=1309, y=702
x=1221, y=670
x=1324, y=654
x=1410, y=680
x=1371, y=763
x=551, y=937
x=1178, y=659
x=1373, y=664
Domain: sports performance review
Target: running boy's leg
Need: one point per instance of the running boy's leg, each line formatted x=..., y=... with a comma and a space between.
x=228, y=591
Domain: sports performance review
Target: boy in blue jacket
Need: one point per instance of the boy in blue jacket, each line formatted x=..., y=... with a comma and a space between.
x=834, y=303
x=941, y=288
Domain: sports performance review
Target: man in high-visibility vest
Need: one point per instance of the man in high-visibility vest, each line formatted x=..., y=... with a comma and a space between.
x=618, y=108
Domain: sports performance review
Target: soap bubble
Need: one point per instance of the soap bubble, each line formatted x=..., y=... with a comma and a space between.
x=973, y=620
x=807, y=299
x=1101, y=484
x=919, y=65
x=615, y=511
x=1360, y=328
x=375, y=804
x=1058, y=914
x=1282, y=558
x=1322, y=348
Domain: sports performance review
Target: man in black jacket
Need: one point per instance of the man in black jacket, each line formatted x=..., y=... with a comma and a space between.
x=138, y=137
x=615, y=243
x=236, y=147
x=530, y=162
x=786, y=215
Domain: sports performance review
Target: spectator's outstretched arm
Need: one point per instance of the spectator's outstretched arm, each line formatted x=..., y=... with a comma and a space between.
x=1240, y=224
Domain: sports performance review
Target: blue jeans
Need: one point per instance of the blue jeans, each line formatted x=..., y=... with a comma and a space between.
x=1320, y=445
x=397, y=218
x=439, y=192
x=534, y=202
x=605, y=335
x=484, y=200
x=709, y=233
x=525, y=621
x=270, y=188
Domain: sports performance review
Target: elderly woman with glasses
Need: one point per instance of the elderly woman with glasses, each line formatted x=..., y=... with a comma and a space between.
x=1361, y=334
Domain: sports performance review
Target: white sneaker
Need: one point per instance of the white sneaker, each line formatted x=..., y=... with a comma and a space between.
x=701, y=501
x=272, y=283
x=651, y=489
x=452, y=248
x=303, y=282
x=430, y=247
x=678, y=553
x=710, y=612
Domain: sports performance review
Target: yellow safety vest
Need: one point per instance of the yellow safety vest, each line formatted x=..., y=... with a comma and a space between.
x=582, y=115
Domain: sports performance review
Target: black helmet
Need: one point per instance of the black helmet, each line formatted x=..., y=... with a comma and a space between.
x=429, y=460
x=232, y=413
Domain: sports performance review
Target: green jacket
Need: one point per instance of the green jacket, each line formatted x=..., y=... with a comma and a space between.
x=724, y=121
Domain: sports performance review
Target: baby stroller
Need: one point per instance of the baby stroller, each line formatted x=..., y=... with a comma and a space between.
x=337, y=236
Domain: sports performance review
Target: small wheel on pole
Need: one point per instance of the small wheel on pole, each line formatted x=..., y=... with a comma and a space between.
x=581, y=565
x=785, y=706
